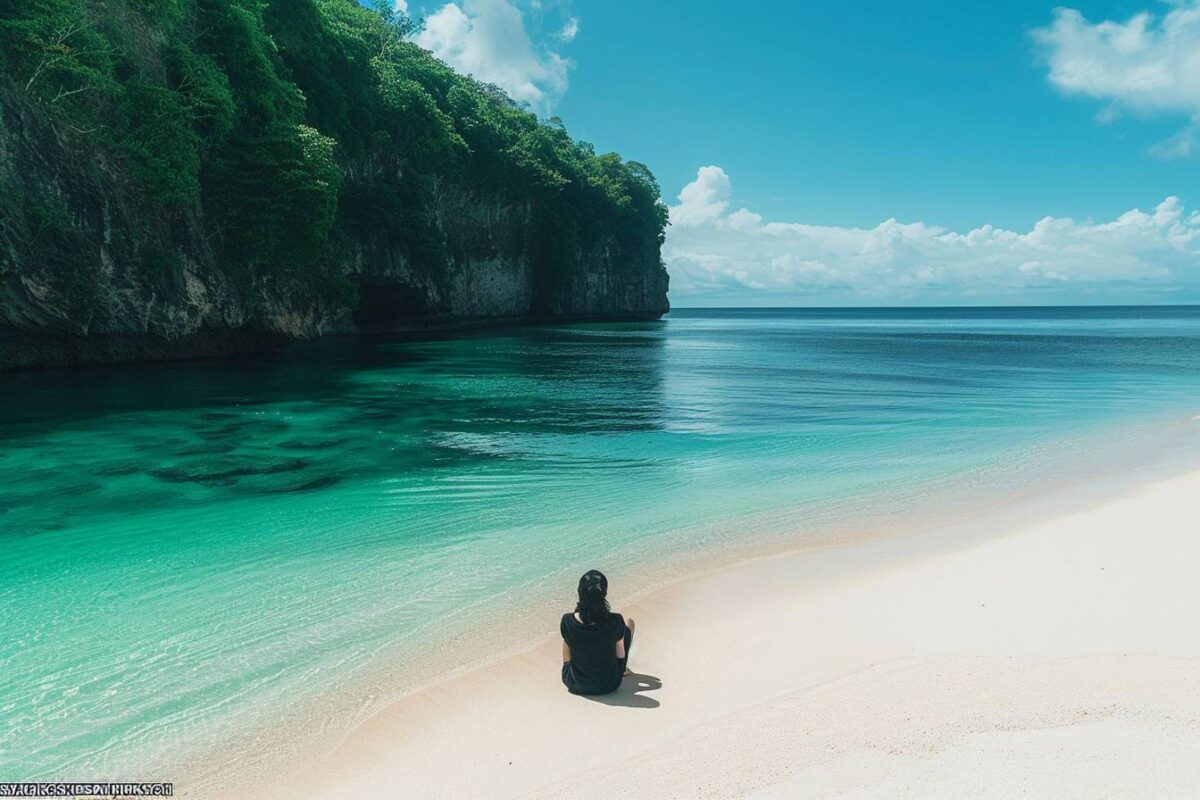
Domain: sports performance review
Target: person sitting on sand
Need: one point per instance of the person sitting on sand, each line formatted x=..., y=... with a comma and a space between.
x=595, y=640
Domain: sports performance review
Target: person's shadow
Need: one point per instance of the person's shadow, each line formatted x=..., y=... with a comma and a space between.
x=630, y=692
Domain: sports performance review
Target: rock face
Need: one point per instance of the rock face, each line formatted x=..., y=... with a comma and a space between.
x=91, y=271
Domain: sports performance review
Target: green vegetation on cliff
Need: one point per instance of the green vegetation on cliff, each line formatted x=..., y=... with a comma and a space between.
x=288, y=126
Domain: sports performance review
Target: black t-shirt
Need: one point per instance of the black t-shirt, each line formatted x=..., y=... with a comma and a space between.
x=593, y=668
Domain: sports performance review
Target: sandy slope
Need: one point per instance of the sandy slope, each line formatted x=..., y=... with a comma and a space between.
x=1033, y=652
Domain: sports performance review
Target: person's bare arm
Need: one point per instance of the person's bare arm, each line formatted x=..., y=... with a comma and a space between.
x=621, y=641
x=567, y=651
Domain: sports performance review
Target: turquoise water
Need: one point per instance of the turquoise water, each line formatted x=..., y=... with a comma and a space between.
x=193, y=555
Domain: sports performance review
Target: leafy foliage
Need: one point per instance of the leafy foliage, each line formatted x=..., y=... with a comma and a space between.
x=56, y=54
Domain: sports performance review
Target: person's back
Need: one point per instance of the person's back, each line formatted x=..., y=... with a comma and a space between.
x=595, y=640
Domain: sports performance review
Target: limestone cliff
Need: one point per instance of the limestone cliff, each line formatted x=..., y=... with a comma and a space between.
x=104, y=275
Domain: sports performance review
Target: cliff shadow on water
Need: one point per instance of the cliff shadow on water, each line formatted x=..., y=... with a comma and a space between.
x=338, y=412
x=197, y=178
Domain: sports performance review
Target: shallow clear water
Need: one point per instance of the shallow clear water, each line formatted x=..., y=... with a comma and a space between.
x=190, y=552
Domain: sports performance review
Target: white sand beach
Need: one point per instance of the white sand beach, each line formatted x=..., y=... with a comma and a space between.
x=1049, y=650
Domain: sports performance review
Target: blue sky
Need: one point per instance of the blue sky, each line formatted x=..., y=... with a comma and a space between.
x=823, y=121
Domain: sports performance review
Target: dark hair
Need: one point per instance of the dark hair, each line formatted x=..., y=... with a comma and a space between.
x=593, y=597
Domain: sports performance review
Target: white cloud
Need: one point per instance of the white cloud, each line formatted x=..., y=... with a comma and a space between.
x=570, y=30
x=715, y=255
x=487, y=39
x=401, y=6
x=704, y=199
x=1180, y=145
x=1145, y=65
